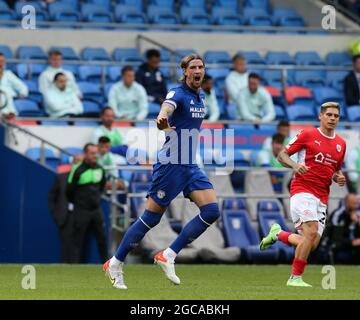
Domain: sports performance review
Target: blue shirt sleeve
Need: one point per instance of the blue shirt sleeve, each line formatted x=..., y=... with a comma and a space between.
x=174, y=97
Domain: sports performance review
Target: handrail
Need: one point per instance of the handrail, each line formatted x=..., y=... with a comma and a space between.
x=140, y=37
x=200, y=28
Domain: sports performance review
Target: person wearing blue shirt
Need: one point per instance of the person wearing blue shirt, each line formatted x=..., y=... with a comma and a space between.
x=176, y=171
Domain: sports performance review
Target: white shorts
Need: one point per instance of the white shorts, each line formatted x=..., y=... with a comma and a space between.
x=306, y=207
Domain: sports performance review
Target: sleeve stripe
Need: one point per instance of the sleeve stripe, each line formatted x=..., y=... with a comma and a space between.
x=173, y=103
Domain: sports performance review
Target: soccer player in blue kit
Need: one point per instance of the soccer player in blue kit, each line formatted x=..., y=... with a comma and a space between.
x=176, y=170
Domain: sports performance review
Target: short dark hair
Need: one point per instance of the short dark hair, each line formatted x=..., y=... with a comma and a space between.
x=54, y=53
x=153, y=53
x=59, y=74
x=207, y=77
x=254, y=75
x=278, y=138
x=238, y=57
x=355, y=57
x=88, y=145
x=104, y=140
x=126, y=69
x=103, y=110
x=328, y=105
x=283, y=123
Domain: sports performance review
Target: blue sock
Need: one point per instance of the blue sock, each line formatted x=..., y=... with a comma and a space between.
x=136, y=232
x=195, y=227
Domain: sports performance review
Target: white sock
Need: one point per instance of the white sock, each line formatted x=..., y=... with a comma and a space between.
x=170, y=255
x=115, y=262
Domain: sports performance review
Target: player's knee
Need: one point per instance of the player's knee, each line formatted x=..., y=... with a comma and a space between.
x=312, y=235
x=210, y=212
x=151, y=218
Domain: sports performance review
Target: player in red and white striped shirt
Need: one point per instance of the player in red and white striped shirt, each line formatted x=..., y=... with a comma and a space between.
x=320, y=156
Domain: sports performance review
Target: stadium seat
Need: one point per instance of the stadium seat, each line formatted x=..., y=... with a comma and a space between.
x=166, y=4
x=138, y=4
x=127, y=55
x=240, y=233
x=105, y=4
x=96, y=13
x=279, y=57
x=252, y=57
x=31, y=52
x=141, y=176
x=63, y=12
x=182, y=53
x=194, y=16
x=230, y=4
x=91, y=109
x=212, y=56
x=74, y=68
x=161, y=15
x=325, y=94
x=35, y=69
x=7, y=14
x=353, y=113
x=129, y=14
x=294, y=94
x=51, y=160
x=99, y=54
x=34, y=93
x=308, y=58
x=6, y=51
x=338, y=59
x=269, y=213
x=107, y=88
x=64, y=158
x=91, y=91
x=310, y=78
x=336, y=79
x=233, y=204
x=301, y=113
x=256, y=17
x=68, y=53
x=29, y=71
x=219, y=75
x=290, y=21
x=226, y=16
x=273, y=78
x=264, y=4
x=275, y=95
x=27, y=108
x=113, y=73
x=91, y=73
x=280, y=113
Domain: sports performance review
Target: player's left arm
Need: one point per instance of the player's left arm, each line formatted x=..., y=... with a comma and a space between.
x=338, y=176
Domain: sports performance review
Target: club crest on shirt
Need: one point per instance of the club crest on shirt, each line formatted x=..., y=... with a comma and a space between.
x=338, y=148
x=170, y=94
x=161, y=194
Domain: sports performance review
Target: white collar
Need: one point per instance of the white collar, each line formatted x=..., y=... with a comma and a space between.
x=333, y=137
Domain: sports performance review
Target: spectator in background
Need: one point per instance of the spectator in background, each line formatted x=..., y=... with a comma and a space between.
x=128, y=98
x=353, y=163
x=283, y=127
x=10, y=83
x=107, y=129
x=211, y=104
x=344, y=230
x=61, y=100
x=151, y=78
x=255, y=103
x=268, y=158
x=7, y=107
x=107, y=159
x=352, y=83
x=85, y=185
x=237, y=79
x=46, y=78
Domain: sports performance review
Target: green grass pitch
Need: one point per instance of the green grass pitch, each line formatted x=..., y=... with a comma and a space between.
x=225, y=282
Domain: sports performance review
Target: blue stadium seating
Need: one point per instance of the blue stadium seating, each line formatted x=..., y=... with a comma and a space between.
x=300, y=113
x=212, y=56
x=162, y=15
x=68, y=53
x=19, y=5
x=273, y=78
x=183, y=53
x=280, y=113
x=64, y=158
x=138, y=4
x=338, y=59
x=240, y=233
x=233, y=204
x=310, y=78
x=91, y=109
x=51, y=159
x=113, y=73
x=226, y=17
x=27, y=108
x=194, y=16
x=335, y=79
x=267, y=214
x=107, y=88
x=353, y=113
x=168, y=4
x=90, y=73
x=219, y=75
x=324, y=94
x=34, y=93
x=99, y=54
x=265, y=4
x=96, y=13
x=29, y=71
x=6, y=51
x=308, y=58
x=74, y=68
x=154, y=109
x=258, y=20
x=197, y=4
x=231, y=4
x=63, y=12
x=290, y=21
x=252, y=57
x=91, y=91
x=7, y=14
x=31, y=52
x=279, y=57
x=127, y=55
x=129, y=14
x=105, y=4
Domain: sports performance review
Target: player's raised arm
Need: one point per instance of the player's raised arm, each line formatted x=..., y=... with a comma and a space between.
x=286, y=161
x=162, y=119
